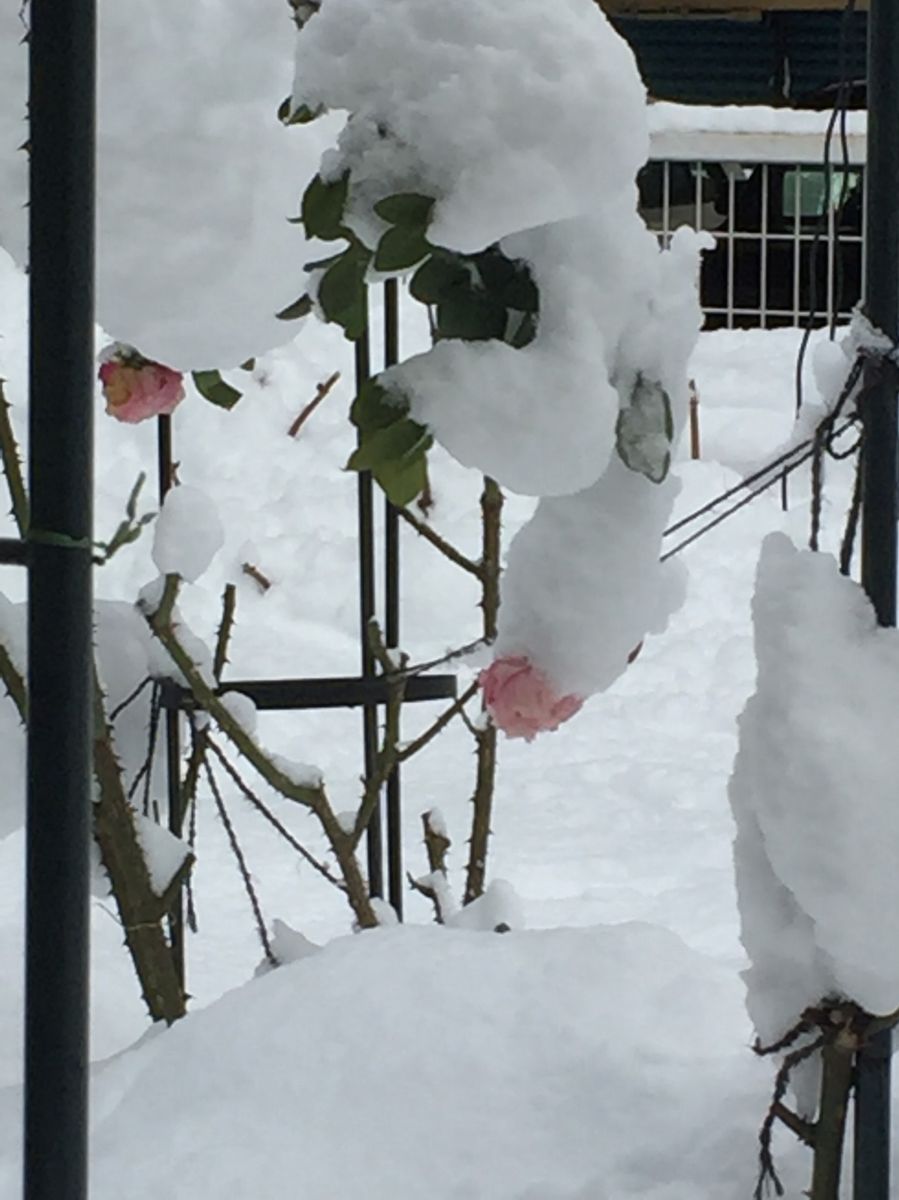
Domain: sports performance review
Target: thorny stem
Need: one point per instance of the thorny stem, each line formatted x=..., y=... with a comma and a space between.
x=12, y=467
x=140, y=910
x=447, y=549
x=388, y=754
x=485, y=775
x=14, y=682
x=237, y=851
x=437, y=845
x=226, y=626
x=266, y=812
x=411, y=748
x=311, y=796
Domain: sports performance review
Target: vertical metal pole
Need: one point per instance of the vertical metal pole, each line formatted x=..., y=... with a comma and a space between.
x=172, y=718
x=365, y=500
x=879, y=499
x=61, y=364
x=392, y=619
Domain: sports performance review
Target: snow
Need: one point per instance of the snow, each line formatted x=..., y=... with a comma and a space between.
x=187, y=534
x=817, y=829
x=196, y=175
x=415, y=74
x=617, y=993
x=666, y=117
x=598, y=1049
x=617, y=317
x=243, y=710
x=165, y=853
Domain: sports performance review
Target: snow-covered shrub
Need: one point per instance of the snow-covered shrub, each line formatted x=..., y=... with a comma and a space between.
x=489, y=157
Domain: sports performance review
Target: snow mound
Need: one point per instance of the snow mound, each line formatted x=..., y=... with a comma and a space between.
x=515, y=1066
x=813, y=794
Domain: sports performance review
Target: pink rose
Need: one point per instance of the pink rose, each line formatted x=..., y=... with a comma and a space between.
x=136, y=388
x=521, y=700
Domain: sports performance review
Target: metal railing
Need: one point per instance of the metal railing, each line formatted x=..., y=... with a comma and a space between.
x=789, y=235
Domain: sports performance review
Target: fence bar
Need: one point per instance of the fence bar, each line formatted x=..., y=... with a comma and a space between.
x=366, y=517
x=61, y=401
x=879, y=501
x=395, y=887
x=346, y=691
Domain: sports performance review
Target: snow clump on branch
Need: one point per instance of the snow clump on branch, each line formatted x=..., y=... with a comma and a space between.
x=495, y=148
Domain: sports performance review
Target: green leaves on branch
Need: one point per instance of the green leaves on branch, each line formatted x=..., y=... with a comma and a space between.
x=341, y=291
x=475, y=297
x=391, y=445
x=322, y=208
x=478, y=297
x=213, y=388
x=404, y=244
x=645, y=430
x=129, y=530
x=301, y=115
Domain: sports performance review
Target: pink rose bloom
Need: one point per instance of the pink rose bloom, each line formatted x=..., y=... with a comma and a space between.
x=136, y=388
x=521, y=700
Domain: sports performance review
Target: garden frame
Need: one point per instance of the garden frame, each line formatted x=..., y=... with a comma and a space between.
x=57, y=551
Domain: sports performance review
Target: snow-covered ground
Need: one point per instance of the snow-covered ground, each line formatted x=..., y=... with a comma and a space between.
x=601, y=1048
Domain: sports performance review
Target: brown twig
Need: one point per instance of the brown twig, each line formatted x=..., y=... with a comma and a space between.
x=485, y=774
x=311, y=796
x=225, y=629
x=248, y=794
x=14, y=682
x=447, y=549
x=256, y=575
x=12, y=467
x=388, y=753
x=245, y=875
x=413, y=747
x=437, y=845
x=321, y=391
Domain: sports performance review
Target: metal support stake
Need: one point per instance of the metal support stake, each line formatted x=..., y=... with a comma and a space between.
x=172, y=720
x=392, y=618
x=879, y=498
x=61, y=363
x=365, y=498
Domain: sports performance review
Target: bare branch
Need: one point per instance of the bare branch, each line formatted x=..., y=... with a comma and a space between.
x=446, y=548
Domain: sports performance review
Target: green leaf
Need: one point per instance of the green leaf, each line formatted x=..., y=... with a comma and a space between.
x=409, y=209
x=319, y=264
x=439, y=276
x=404, y=439
x=375, y=407
x=521, y=329
x=645, y=430
x=508, y=280
x=301, y=115
x=399, y=248
x=341, y=292
x=472, y=317
x=213, y=388
x=403, y=481
x=300, y=308
x=323, y=205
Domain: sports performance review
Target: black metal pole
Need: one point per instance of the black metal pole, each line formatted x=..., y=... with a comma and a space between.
x=879, y=498
x=365, y=501
x=61, y=364
x=392, y=618
x=165, y=463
